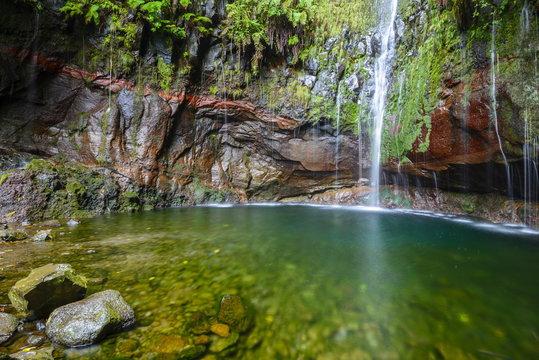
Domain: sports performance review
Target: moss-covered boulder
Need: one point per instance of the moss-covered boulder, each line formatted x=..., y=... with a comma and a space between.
x=12, y=235
x=8, y=325
x=87, y=321
x=234, y=312
x=47, y=288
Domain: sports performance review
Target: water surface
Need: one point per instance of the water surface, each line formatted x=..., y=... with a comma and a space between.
x=325, y=283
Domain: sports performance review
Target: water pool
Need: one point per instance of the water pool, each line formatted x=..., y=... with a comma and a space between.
x=323, y=282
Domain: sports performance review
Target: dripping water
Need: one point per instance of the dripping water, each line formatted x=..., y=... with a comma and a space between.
x=381, y=71
x=337, y=133
x=495, y=105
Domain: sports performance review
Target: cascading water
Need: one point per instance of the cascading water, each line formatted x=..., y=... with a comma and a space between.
x=337, y=133
x=381, y=73
x=495, y=105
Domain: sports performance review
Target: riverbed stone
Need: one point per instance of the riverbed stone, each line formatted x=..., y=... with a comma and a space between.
x=87, y=321
x=232, y=311
x=44, y=353
x=43, y=235
x=12, y=235
x=198, y=324
x=8, y=325
x=222, y=330
x=47, y=288
x=220, y=344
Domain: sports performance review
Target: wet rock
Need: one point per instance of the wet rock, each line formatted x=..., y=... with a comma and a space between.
x=47, y=288
x=43, y=235
x=166, y=344
x=191, y=352
x=50, y=223
x=232, y=311
x=8, y=325
x=72, y=222
x=221, y=344
x=87, y=321
x=36, y=340
x=221, y=329
x=202, y=340
x=12, y=235
x=212, y=56
x=198, y=324
x=44, y=353
x=4, y=356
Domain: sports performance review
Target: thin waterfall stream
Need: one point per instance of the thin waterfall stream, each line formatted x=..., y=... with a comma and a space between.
x=382, y=69
x=495, y=105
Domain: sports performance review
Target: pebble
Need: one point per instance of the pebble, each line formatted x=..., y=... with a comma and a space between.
x=222, y=330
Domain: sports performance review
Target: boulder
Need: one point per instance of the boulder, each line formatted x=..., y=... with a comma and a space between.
x=43, y=235
x=8, y=325
x=232, y=311
x=12, y=235
x=47, y=288
x=87, y=321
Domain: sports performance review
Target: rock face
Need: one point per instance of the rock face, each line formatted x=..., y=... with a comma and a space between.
x=87, y=321
x=45, y=289
x=8, y=325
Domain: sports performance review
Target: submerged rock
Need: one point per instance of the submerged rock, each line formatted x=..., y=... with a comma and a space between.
x=199, y=324
x=50, y=223
x=221, y=344
x=221, y=329
x=44, y=353
x=12, y=235
x=73, y=222
x=43, y=235
x=8, y=325
x=87, y=321
x=47, y=288
x=233, y=312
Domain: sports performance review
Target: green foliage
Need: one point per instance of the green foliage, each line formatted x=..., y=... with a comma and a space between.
x=280, y=24
x=165, y=74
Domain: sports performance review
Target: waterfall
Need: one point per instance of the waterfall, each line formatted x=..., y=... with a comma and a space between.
x=524, y=20
x=381, y=72
x=495, y=105
x=337, y=133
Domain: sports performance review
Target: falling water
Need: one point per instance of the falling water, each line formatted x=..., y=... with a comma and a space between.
x=337, y=133
x=223, y=85
x=495, y=105
x=381, y=70
x=524, y=20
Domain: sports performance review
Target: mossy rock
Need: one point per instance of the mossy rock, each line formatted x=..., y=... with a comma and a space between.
x=221, y=344
x=76, y=190
x=198, y=324
x=191, y=352
x=12, y=235
x=3, y=178
x=8, y=325
x=47, y=288
x=234, y=312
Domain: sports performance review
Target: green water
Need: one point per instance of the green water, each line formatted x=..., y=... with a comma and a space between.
x=325, y=283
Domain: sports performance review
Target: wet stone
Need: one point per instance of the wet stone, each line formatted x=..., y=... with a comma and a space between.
x=12, y=235
x=233, y=312
x=191, y=352
x=43, y=235
x=221, y=330
x=50, y=223
x=198, y=324
x=47, y=288
x=8, y=325
x=221, y=344
x=44, y=353
x=87, y=321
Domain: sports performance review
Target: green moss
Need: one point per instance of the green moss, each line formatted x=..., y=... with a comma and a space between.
x=3, y=178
